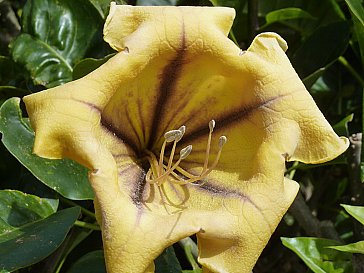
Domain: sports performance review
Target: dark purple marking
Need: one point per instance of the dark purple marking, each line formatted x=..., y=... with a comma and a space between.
x=124, y=138
x=138, y=191
x=213, y=189
x=91, y=105
x=169, y=79
x=226, y=120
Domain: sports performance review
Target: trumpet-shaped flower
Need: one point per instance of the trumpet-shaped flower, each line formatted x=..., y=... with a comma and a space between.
x=185, y=134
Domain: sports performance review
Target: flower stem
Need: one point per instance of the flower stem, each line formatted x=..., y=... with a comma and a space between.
x=191, y=251
x=293, y=170
x=233, y=38
x=352, y=71
x=87, y=225
x=83, y=210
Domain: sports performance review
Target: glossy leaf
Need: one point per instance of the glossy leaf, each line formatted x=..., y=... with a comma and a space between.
x=357, y=9
x=317, y=256
x=317, y=50
x=167, y=262
x=356, y=211
x=33, y=242
x=87, y=65
x=103, y=6
x=341, y=128
x=236, y=4
x=92, y=262
x=18, y=208
x=325, y=11
x=56, y=34
x=311, y=79
x=64, y=176
x=7, y=92
x=357, y=12
x=357, y=247
x=287, y=14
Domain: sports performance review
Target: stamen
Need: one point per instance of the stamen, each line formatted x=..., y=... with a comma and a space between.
x=211, y=127
x=178, y=137
x=185, y=152
x=222, y=141
x=172, y=135
x=182, y=130
x=167, y=171
x=168, y=137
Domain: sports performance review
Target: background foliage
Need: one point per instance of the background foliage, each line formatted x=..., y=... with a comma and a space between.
x=47, y=223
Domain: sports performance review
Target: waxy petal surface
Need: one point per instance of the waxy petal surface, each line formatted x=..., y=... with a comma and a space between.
x=176, y=67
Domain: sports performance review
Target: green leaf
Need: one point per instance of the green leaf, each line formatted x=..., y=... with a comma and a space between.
x=287, y=14
x=156, y=2
x=236, y=4
x=321, y=48
x=85, y=66
x=45, y=65
x=357, y=12
x=57, y=35
x=316, y=255
x=356, y=211
x=357, y=9
x=33, y=242
x=341, y=128
x=92, y=262
x=7, y=92
x=18, y=208
x=102, y=6
x=64, y=176
x=311, y=79
x=8, y=71
x=167, y=262
x=357, y=247
x=325, y=11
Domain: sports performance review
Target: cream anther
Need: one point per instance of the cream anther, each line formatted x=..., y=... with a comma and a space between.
x=211, y=125
x=185, y=152
x=222, y=141
x=172, y=135
x=182, y=130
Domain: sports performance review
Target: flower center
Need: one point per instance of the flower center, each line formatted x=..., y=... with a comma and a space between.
x=164, y=169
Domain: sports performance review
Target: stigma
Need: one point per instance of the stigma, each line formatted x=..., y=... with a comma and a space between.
x=164, y=169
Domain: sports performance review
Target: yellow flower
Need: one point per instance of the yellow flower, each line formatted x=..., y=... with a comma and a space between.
x=179, y=81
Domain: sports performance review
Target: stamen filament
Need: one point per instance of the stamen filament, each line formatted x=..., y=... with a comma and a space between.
x=171, y=155
x=183, y=154
x=161, y=156
x=211, y=127
x=159, y=172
